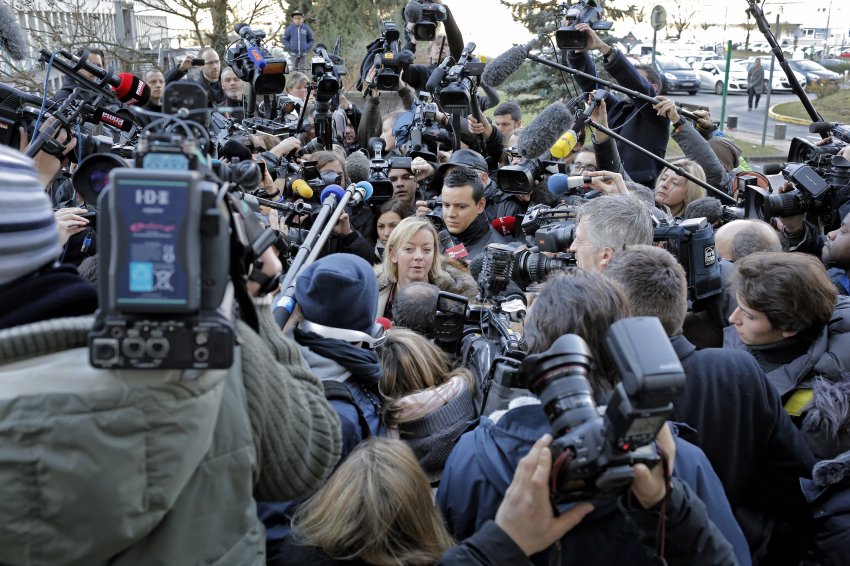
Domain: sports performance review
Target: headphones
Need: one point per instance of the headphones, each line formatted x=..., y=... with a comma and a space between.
x=374, y=339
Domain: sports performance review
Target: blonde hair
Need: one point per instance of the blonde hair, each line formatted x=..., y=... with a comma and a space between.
x=402, y=234
x=413, y=363
x=377, y=508
x=692, y=190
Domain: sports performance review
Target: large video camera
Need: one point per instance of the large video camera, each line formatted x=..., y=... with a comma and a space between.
x=594, y=455
x=175, y=233
x=379, y=170
x=254, y=64
x=456, y=91
x=692, y=242
x=388, y=64
x=322, y=69
x=582, y=12
x=520, y=179
x=427, y=136
x=425, y=28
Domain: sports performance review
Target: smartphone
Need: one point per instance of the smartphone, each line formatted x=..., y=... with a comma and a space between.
x=198, y=62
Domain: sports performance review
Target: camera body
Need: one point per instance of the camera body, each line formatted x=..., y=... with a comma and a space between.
x=425, y=28
x=520, y=179
x=254, y=64
x=323, y=71
x=456, y=91
x=584, y=11
x=593, y=455
x=427, y=136
x=388, y=64
x=692, y=242
x=164, y=272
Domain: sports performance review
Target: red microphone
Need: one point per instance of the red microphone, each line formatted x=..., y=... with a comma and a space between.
x=385, y=322
x=504, y=225
x=132, y=90
x=113, y=119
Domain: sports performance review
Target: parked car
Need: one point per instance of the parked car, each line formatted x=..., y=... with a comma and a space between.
x=713, y=73
x=813, y=71
x=695, y=60
x=780, y=81
x=676, y=75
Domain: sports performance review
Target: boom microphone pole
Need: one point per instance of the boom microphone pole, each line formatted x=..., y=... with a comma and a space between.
x=608, y=84
x=676, y=169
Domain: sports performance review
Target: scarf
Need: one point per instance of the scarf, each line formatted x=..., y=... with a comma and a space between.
x=362, y=363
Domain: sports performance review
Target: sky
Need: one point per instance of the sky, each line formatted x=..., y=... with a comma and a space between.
x=489, y=25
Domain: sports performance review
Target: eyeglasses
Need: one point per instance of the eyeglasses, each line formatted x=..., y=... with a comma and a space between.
x=579, y=167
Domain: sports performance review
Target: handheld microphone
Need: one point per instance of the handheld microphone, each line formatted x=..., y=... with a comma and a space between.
x=302, y=189
x=542, y=133
x=110, y=118
x=504, y=225
x=332, y=191
x=131, y=89
x=12, y=38
x=560, y=184
x=362, y=192
x=250, y=37
x=499, y=69
x=565, y=145
x=357, y=167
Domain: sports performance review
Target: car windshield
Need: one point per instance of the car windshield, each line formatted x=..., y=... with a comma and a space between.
x=733, y=68
x=808, y=65
x=673, y=64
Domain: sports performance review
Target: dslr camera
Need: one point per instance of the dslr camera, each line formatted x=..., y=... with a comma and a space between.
x=594, y=455
x=692, y=242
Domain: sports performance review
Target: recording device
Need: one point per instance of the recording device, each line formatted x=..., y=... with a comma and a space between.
x=18, y=109
x=426, y=136
x=424, y=15
x=491, y=349
x=386, y=59
x=254, y=64
x=450, y=321
x=534, y=266
x=521, y=178
x=379, y=171
x=322, y=70
x=582, y=12
x=594, y=455
x=550, y=229
x=198, y=62
x=692, y=242
x=457, y=89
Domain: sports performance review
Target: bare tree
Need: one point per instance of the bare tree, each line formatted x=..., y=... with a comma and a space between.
x=682, y=16
x=750, y=26
x=637, y=15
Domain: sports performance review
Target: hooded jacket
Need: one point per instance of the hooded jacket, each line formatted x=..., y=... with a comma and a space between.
x=828, y=356
x=456, y=279
x=117, y=467
x=481, y=467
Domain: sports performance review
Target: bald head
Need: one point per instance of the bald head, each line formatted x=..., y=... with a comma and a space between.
x=741, y=238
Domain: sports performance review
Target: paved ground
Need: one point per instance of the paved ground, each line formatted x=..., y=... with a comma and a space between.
x=750, y=124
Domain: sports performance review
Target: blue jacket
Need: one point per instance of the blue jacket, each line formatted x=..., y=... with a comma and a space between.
x=636, y=121
x=298, y=39
x=480, y=469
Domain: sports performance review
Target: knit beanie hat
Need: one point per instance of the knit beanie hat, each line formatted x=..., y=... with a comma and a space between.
x=29, y=238
x=727, y=152
x=340, y=291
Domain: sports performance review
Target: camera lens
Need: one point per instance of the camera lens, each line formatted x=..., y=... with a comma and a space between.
x=786, y=204
x=558, y=377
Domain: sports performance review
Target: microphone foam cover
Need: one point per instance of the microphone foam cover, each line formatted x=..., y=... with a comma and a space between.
x=413, y=11
x=302, y=189
x=336, y=190
x=542, y=133
x=558, y=184
x=357, y=167
x=366, y=186
x=499, y=69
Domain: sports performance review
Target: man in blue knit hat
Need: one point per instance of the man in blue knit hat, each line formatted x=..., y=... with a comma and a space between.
x=338, y=300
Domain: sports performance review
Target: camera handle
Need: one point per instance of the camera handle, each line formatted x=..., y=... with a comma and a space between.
x=613, y=86
x=675, y=168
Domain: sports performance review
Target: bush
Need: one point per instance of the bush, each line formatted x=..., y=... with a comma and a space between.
x=823, y=88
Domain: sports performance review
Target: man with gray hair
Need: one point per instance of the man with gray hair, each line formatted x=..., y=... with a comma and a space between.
x=741, y=238
x=608, y=224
